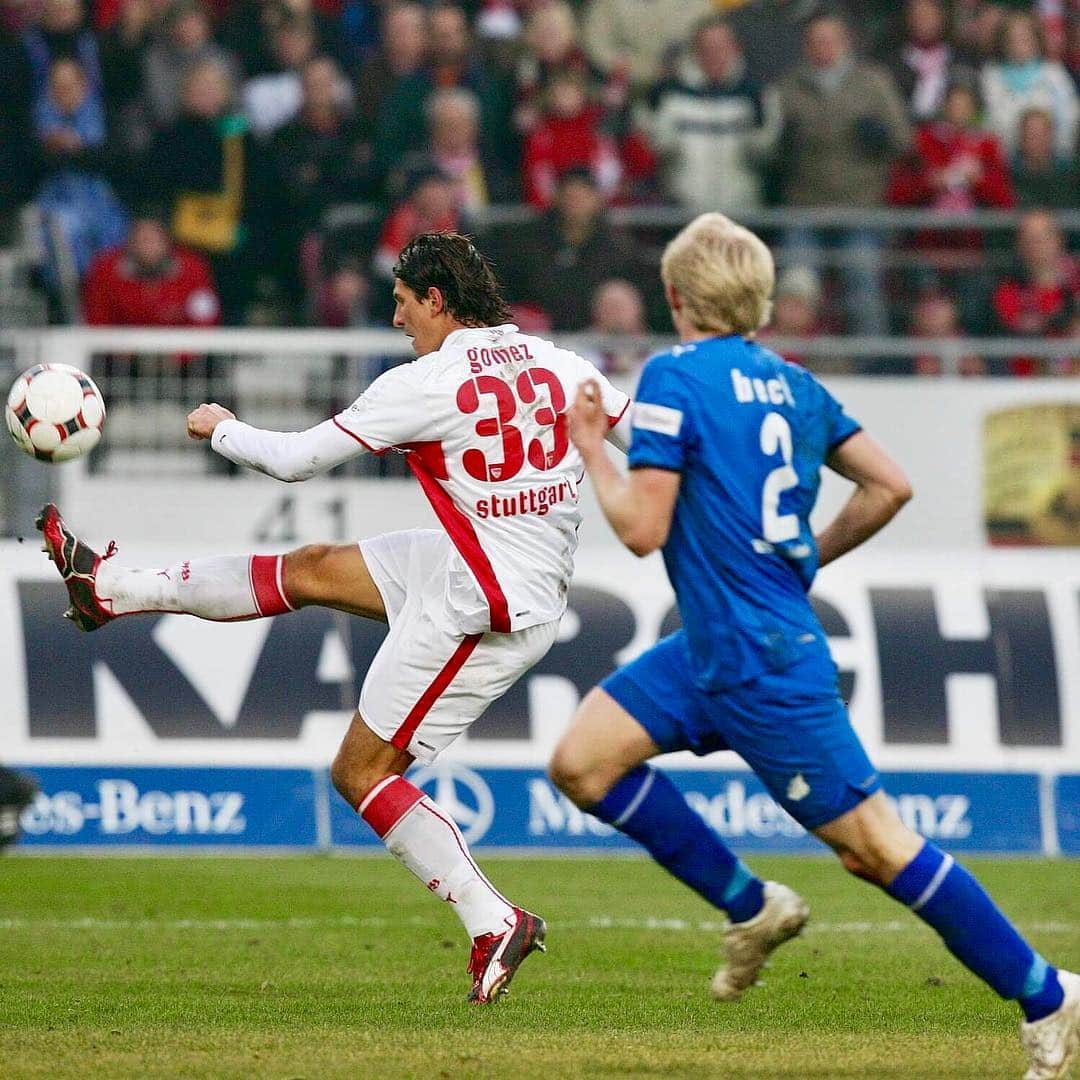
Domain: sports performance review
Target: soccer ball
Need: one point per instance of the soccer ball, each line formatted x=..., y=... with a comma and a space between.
x=55, y=412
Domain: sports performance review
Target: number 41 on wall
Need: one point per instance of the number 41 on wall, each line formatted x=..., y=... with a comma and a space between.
x=281, y=522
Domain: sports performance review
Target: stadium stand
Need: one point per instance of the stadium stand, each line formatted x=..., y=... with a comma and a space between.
x=295, y=146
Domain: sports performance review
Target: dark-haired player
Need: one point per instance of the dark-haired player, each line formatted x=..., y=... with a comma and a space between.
x=471, y=607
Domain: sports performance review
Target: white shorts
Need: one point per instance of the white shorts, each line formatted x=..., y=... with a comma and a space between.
x=429, y=681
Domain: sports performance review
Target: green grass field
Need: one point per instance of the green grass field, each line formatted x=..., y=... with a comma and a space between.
x=343, y=967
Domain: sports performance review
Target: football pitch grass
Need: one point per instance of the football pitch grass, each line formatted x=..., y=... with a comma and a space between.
x=343, y=967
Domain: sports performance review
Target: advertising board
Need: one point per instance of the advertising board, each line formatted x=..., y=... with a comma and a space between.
x=962, y=670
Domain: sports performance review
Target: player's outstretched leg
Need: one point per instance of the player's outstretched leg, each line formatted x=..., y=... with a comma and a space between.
x=874, y=844
x=424, y=838
x=599, y=766
x=227, y=588
x=222, y=589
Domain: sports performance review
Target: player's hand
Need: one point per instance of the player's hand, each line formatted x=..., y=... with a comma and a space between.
x=202, y=421
x=586, y=419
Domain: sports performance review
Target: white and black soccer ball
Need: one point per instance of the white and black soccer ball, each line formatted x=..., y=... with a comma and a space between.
x=55, y=412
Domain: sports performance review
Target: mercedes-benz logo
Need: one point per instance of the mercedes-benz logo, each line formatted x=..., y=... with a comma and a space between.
x=462, y=793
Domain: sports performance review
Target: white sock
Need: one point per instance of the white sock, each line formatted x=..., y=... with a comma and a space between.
x=222, y=589
x=425, y=839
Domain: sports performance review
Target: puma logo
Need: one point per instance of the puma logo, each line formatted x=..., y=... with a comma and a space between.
x=433, y=886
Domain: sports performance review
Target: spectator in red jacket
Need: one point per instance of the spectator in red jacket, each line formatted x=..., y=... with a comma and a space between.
x=573, y=133
x=430, y=205
x=1042, y=296
x=955, y=164
x=569, y=135
x=150, y=282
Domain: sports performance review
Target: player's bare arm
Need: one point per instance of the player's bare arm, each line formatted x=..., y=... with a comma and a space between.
x=881, y=489
x=639, y=505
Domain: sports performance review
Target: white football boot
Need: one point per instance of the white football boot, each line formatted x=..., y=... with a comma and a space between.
x=1052, y=1042
x=747, y=944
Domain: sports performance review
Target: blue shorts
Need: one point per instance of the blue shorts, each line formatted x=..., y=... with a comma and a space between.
x=789, y=726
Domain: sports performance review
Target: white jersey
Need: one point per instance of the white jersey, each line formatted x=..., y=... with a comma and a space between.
x=481, y=423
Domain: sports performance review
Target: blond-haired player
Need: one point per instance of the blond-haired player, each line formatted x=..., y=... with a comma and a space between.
x=471, y=607
x=728, y=442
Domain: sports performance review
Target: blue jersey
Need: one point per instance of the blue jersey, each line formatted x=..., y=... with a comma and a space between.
x=748, y=433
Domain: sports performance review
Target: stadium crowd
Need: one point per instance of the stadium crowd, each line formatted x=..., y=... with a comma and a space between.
x=264, y=161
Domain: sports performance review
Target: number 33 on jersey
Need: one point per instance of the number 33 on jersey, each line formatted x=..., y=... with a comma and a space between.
x=482, y=424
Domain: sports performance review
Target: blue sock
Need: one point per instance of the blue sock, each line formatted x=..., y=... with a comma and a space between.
x=942, y=893
x=648, y=807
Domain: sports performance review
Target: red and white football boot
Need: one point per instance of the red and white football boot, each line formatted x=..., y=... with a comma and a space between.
x=78, y=566
x=495, y=957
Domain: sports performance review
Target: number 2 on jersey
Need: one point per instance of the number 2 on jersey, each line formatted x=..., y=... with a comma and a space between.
x=527, y=385
x=776, y=438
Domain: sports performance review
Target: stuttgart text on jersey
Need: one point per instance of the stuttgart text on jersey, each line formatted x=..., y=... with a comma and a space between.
x=535, y=500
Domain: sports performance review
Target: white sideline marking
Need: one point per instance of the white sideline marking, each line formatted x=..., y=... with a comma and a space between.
x=596, y=922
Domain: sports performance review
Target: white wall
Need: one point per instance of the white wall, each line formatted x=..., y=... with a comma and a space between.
x=932, y=427
x=1029, y=655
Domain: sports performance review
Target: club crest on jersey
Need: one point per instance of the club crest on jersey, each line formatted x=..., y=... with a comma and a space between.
x=798, y=789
